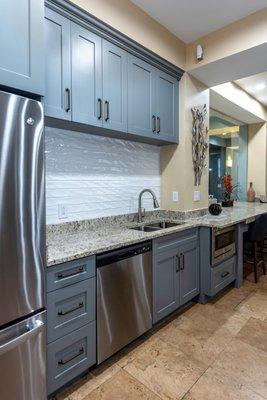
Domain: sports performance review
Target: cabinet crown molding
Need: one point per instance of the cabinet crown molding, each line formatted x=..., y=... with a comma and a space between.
x=89, y=21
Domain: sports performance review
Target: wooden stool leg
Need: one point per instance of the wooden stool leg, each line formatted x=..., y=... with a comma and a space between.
x=255, y=261
x=262, y=256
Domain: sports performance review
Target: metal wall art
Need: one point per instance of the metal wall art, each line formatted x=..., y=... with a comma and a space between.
x=199, y=141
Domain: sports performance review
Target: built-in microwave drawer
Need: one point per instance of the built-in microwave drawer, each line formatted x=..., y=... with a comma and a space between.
x=66, y=274
x=71, y=355
x=70, y=308
x=222, y=275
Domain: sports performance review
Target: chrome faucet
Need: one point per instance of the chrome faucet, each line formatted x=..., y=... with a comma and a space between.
x=155, y=202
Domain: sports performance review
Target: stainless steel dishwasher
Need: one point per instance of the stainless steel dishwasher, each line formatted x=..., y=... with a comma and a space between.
x=124, y=297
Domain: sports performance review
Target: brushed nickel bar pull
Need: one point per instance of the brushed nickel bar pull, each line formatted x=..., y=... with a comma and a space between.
x=158, y=123
x=107, y=110
x=182, y=263
x=154, y=124
x=77, y=272
x=99, y=108
x=62, y=313
x=63, y=362
x=67, y=90
x=224, y=274
x=178, y=261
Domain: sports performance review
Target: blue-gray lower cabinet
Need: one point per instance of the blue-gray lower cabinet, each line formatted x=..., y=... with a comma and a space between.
x=57, y=66
x=70, y=355
x=68, y=273
x=22, y=45
x=70, y=308
x=166, y=293
x=175, y=272
x=71, y=320
x=213, y=278
x=222, y=275
x=189, y=270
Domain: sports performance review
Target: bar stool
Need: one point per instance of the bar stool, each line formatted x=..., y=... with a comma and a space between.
x=255, y=238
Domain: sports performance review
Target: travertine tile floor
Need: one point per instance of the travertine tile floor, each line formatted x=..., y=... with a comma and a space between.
x=216, y=351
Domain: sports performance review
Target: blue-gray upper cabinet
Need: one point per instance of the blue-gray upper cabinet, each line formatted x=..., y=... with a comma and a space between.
x=141, y=97
x=22, y=45
x=114, y=87
x=166, y=297
x=166, y=107
x=57, y=66
x=189, y=271
x=87, y=104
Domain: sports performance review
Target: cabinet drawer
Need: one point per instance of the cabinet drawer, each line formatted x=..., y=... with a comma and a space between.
x=68, y=357
x=66, y=274
x=171, y=241
x=222, y=275
x=70, y=308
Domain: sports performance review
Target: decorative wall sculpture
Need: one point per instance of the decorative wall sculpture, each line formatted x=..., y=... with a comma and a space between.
x=199, y=141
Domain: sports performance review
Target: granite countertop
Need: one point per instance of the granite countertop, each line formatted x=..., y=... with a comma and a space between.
x=73, y=240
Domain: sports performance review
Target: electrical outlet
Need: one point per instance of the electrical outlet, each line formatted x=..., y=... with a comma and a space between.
x=175, y=197
x=196, y=195
x=62, y=211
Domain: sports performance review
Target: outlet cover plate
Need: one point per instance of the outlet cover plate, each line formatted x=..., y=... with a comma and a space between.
x=175, y=197
x=196, y=195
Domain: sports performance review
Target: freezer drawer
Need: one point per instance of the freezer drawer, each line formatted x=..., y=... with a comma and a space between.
x=23, y=360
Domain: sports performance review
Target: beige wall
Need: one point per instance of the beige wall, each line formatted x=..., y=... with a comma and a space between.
x=234, y=38
x=257, y=157
x=176, y=161
x=124, y=16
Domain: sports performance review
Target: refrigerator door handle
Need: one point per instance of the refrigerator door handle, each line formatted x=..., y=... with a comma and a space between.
x=32, y=331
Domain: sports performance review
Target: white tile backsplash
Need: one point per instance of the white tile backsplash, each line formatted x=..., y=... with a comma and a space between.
x=95, y=176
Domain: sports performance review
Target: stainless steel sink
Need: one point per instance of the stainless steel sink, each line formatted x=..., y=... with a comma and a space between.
x=155, y=226
x=145, y=228
x=165, y=224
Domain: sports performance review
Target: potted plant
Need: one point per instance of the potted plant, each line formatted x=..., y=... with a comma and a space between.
x=228, y=190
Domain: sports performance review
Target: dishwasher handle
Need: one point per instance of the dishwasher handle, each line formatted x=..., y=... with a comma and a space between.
x=122, y=254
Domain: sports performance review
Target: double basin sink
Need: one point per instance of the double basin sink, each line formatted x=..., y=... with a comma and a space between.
x=155, y=226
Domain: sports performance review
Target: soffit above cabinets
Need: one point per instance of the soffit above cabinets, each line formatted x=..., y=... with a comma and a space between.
x=233, y=110
x=256, y=86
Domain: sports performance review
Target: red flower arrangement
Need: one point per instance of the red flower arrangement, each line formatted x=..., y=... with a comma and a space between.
x=228, y=189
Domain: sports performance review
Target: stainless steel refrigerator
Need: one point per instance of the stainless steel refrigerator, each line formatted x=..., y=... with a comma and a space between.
x=22, y=249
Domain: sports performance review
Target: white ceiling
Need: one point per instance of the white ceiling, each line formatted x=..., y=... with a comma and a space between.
x=255, y=85
x=191, y=19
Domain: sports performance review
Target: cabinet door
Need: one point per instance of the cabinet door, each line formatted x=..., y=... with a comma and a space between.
x=167, y=107
x=22, y=45
x=114, y=87
x=189, y=271
x=57, y=66
x=165, y=284
x=141, y=97
x=87, y=104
